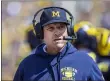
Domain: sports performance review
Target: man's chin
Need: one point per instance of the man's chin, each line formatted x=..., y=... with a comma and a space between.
x=60, y=45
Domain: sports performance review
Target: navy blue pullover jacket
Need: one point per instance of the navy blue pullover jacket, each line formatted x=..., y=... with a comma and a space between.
x=70, y=64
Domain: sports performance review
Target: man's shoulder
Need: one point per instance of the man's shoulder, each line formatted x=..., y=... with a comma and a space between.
x=28, y=58
x=79, y=59
x=33, y=56
x=78, y=54
x=81, y=55
x=88, y=54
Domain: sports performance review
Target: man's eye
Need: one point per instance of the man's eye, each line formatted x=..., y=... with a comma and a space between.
x=50, y=28
x=61, y=27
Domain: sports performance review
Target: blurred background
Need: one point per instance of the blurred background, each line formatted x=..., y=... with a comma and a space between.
x=17, y=21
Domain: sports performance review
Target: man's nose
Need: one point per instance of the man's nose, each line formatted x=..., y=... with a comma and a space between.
x=57, y=32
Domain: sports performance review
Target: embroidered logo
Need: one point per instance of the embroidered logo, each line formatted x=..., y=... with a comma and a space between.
x=55, y=14
x=68, y=73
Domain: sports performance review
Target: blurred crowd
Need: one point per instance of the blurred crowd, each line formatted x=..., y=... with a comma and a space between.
x=18, y=37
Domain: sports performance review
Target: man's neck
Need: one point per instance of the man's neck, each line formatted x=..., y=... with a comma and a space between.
x=52, y=51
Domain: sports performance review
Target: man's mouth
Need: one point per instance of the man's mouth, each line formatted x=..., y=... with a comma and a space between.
x=61, y=38
x=57, y=39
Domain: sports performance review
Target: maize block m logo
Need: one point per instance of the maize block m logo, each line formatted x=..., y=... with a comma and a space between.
x=55, y=14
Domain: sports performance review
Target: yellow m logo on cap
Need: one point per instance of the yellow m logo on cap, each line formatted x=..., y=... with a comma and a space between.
x=55, y=14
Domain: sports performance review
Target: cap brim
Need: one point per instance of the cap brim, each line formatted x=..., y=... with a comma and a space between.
x=55, y=21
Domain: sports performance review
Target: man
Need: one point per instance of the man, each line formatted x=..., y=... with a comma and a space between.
x=57, y=59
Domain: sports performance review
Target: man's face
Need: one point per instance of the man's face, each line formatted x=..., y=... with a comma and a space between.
x=55, y=31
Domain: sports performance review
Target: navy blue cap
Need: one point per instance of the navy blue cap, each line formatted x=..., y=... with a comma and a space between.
x=53, y=15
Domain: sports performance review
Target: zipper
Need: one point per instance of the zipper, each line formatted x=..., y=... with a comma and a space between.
x=58, y=67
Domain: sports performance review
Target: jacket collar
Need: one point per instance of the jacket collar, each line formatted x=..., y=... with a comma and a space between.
x=69, y=48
